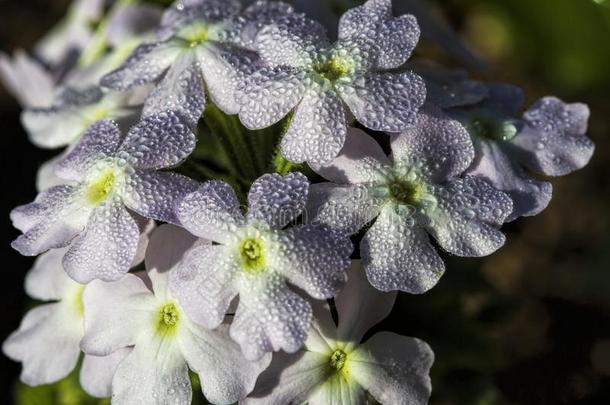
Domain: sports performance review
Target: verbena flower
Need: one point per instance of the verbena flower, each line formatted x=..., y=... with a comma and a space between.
x=198, y=45
x=111, y=177
x=255, y=258
x=73, y=111
x=315, y=80
x=549, y=139
x=335, y=367
x=415, y=192
x=47, y=341
x=140, y=312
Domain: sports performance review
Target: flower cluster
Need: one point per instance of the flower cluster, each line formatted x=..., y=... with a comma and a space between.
x=162, y=263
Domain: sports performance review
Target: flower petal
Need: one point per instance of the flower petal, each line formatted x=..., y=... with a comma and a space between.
x=167, y=247
x=153, y=373
x=107, y=247
x=397, y=255
x=160, y=141
x=225, y=375
x=374, y=26
x=225, y=69
x=269, y=317
x=46, y=343
x=469, y=214
x=101, y=140
x=385, y=101
x=145, y=65
x=115, y=314
x=211, y=211
x=360, y=306
x=26, y=80
x=344, y=208
x=47, y=280
x=54, y=127
x=183, y=12
x=394, y=369
x=154, y=194
x=438, y=145
x=553, y=139
x=269, y=95
x=46, y=177
x=530, y=196
x=291, y=41
x=317, y=130
x=358, y=162
x=313, y=258
x=338, y=391
x=96, y=373
x=202, y=284
x=277, y=200
x=290, y=379
x=181, y=91
x=447, y=88
x=51, y=221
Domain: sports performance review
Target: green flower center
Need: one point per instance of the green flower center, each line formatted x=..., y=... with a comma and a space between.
x=99, y=189
x=406, y=192
x=333, y=69
x=494, y=129
x=195, y=35
x=252, y=255
x=168, y=319
x=337, y=359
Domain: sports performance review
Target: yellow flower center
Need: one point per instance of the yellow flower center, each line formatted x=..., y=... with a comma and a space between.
x=252, y=255
x=337, y=359
x=168, y=319
x=99, y=189
x=333, y=69
x=195, y=35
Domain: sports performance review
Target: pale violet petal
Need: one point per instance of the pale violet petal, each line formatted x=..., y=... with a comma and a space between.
x=51, y=221
x=107, y=247
x=338, y=391
x=53, y=127
x=145, y=65
x=225, y=375
x=494, y=163
x=360, y=306
x=468, y=216
x=314, y=258
x=96, y=373
x=269, y=95
x=553, y=139
x=181, y=91
x=159, y=141
x=46, y=177
x=115, y=314
x=277, y=200
x=26, y=80
x=394, y=369
x=154, y=194
x=202, y=284
x=270, y=317
x=450, y=88
x=358, y=162
x=100, y=141
x=439, y=146
x=397, y=255
x=384, y=101
x=317, y=130
x=211, y=212
x=344, y=208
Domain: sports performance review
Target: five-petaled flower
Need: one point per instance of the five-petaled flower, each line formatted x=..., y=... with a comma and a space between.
x=254, y=257
x=112, y=179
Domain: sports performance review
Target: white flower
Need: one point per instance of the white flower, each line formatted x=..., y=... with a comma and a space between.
x=336, y=368
x=254, y=258
x=140, y=312
x=47, y=342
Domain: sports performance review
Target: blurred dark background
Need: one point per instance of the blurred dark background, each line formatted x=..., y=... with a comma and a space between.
x=528, y=325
